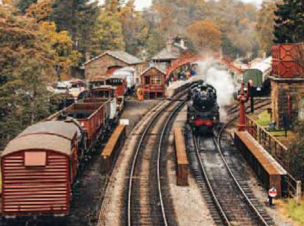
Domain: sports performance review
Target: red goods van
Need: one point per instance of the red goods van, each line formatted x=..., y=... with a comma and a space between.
x=38, y=169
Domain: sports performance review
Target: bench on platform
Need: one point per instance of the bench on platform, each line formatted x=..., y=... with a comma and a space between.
x=182, y=165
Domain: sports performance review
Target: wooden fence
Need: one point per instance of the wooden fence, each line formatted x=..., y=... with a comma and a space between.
x=278, y=150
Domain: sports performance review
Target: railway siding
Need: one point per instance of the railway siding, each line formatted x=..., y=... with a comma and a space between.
x=112, y=205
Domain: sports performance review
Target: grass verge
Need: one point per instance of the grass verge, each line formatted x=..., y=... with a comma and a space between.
x=295, y=211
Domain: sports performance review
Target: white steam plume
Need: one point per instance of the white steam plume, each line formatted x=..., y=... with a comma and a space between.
x=221, y=80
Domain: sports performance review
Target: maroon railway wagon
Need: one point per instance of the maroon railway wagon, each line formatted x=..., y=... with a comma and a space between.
x=38, y=169
x=103, y=91
x=90, y=117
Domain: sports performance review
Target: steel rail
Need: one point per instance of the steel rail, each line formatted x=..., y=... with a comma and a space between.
x=210, y=188
x=135, y=158
x=217, y=142
x=235, y=107
x=159, y=157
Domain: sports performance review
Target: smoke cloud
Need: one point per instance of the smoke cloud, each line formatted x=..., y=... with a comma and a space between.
x=218, y=76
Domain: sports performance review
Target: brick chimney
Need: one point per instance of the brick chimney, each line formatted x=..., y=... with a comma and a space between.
x=169, y=45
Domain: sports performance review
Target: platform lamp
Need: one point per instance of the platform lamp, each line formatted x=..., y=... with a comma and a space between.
x=243, y=98
x=251, y=94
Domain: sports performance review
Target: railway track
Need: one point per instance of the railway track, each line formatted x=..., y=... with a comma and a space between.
x=222, y=181
x=258, y=102
x=230, y=193
x=148, y=201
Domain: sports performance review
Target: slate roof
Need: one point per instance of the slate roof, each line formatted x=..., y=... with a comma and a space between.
x=157, y=68
x=120, y=55
x=165, y=54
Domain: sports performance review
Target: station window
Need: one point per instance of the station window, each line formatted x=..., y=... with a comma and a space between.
x=35, y=159
x=156, y=80
x=147, y=80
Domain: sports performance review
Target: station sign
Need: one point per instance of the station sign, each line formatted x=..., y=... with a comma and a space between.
x=125, y=122
x=272, y=192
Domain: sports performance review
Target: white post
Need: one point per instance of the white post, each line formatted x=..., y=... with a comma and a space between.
x=298, y=192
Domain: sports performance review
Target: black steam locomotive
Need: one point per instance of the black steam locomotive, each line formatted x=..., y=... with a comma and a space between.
x=203, y=110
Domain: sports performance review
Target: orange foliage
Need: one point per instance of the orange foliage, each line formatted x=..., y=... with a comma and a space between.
x=40, y=11
x=205, y=34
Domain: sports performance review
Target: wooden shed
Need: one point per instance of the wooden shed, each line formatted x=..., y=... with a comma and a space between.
x=153, y=83
x=38, y=168
x=102, y=66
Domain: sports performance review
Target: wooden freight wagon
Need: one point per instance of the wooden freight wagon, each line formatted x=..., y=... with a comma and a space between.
x=110, y=108
x=38, y=169
x=153, y=83
x=90, y=117
x=119, y=82
x=103, y=91
x=109, y=92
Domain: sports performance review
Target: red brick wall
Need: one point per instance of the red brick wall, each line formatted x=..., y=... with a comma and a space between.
x=98, y=68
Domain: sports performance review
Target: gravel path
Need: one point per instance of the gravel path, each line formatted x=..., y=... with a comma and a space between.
x=190, y=207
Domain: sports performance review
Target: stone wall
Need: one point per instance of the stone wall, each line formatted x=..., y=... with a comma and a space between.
x=98, y=68
x=281, y=88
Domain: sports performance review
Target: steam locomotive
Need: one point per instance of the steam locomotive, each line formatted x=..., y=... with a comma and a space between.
x=203, y=110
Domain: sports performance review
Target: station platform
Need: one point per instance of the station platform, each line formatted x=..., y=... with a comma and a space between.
x=267, y=169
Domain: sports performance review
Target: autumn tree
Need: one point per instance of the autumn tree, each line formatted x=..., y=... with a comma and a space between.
x=182, y=12
x=289, y=26
x=265, y=25
x=59, y=42
x=165, y=19
x=134, y=28
x=108, y=31
x=235, y=19
x=41, y=10
x=206, y=35
x=79, y=18
x=238, y=21
x=25, y=64
x=228, y=48
x=23, y=5
x=61, y=46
